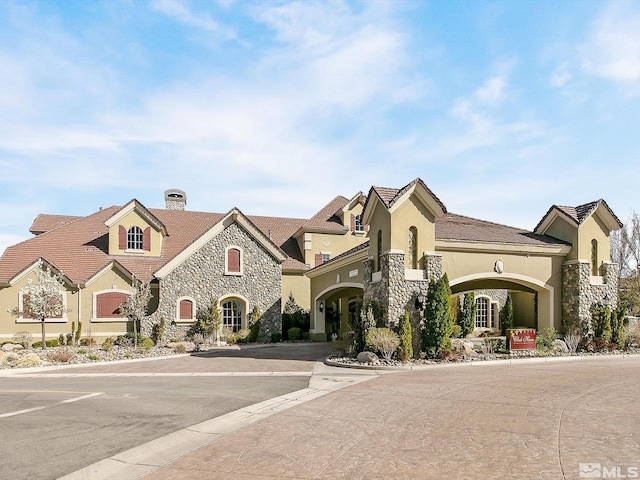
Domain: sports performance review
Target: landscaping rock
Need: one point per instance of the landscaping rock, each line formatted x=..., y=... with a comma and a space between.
x=368, y=357
x=560, y=347
x=464, y=347
x=10, y=347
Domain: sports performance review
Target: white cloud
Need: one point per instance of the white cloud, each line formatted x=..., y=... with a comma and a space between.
x=561, y=76
x=179, y=11
x=613, y=48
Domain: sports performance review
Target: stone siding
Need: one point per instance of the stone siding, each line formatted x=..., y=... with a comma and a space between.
x=202, y=277
x=394, y=293
x=579, y=295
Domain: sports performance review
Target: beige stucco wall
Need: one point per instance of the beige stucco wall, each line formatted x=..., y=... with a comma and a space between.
x=408, y=214
x=9, y=299
x=540, y=273
x=593, y=228
x=298, y=285
x=380, y=220
x=132, y=219
x=563, y=230
x=333, y=244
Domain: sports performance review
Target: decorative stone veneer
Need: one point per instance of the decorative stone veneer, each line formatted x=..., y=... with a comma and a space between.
x=202, y=277
x=393, y=292
x=579, y=295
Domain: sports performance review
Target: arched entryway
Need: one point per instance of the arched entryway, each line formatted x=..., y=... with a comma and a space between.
x=533, y=301
x=234, y=312
x=334, y=306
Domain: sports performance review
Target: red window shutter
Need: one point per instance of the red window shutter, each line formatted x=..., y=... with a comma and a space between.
x=186, y=309
x=146, y=239
x=108, y=304
x=318, y=259
x=122, y=237
x=233, y=260
x=353, y=223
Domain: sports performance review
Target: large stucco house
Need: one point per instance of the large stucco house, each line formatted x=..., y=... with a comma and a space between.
x=384, y=246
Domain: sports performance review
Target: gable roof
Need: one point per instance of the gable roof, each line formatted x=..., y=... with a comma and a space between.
x=137, y=207
x=81, y=248
x=327, y=219
x=389, y=197
x=45, y=222
x=577, y=215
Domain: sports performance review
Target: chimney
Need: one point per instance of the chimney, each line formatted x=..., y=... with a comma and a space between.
x=175, y=199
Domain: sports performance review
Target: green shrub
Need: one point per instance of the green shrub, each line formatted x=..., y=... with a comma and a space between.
x=240, y=336
x=601, y=322
x=544, y=340
x=92, y=357
x=147, y=344
x=438, y=319
x=82, y=351
x=456, y=331
x=405, y=349
x=467, y=315
x=49, y=343
x=254, y=325
x=305, y=336
x=276, y=337
x=617, y=325
x=294, y=333
x=383, y=341
x=295, y=316
x=506, y=315
x=107, y=344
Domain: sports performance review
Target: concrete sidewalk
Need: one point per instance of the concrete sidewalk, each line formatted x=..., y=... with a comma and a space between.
x=512, y=421
x=521, y=420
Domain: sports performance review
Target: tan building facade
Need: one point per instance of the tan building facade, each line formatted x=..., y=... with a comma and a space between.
x=384, y=246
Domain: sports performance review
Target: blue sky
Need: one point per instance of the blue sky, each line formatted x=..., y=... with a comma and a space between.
x=502, y=108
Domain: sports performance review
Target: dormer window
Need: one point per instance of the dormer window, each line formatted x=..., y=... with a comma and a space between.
x=134, y=238
x=356, y=223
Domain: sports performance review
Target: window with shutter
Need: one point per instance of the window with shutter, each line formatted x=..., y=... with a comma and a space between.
x=26, y=314
x=186, y=309
x=108, y=304
x=318, y=259
x=134, y=238
x=233, y=261
x=146, y=239
x=122, y=237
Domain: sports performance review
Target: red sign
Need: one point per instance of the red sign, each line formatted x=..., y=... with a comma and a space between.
x=521, y=339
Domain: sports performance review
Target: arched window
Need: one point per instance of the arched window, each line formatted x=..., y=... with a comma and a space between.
x=594, y=257
x=186, y=309
x=379, y=251
x=482, y=312
x=107, y=305
x=232, y=315
x=134, y=238
x=233, y=261
x=413, y=247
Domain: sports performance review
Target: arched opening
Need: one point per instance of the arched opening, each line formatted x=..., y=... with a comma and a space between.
x=232, y=314
x=334, y=307
x=594, y=258
x=413, y=248
x=379, y=251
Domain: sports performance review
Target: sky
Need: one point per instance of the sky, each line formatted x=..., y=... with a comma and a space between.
x=503, y=108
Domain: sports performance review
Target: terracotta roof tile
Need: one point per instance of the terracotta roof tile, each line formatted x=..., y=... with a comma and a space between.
x=326, y=218
x=45, y=222
x=458, y=227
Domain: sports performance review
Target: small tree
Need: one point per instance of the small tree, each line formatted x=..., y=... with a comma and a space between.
x=363, y=323
x=43, y=299
x=617, y=324
x=136, y=305
x=506, y=315
x=209, y=321
x=438, y=319
x=601, y=322
x=406, y=341
x=254, y=324
x=467, y=317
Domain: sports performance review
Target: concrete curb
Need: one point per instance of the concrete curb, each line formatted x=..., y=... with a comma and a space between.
x=478, y=363
x=144, y=459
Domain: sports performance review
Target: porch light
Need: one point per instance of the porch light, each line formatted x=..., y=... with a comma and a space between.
x=321, y=307
x=420, y=301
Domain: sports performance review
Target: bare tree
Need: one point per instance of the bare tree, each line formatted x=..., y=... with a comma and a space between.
x=136, y=305
x=42, y=299
x=625, y=251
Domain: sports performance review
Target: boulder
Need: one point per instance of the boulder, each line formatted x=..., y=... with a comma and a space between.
x=10, y=347
x=560, y=347
x=368, y=357
x=464, y=347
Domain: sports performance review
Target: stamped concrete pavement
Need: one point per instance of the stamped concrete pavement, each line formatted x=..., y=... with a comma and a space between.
x=521, y=420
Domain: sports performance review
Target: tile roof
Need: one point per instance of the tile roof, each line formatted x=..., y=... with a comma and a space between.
x=326, y=218
x=389, y=196
x=457, y=227
x=580, y=213
x=45, y=222
x=80, y=248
